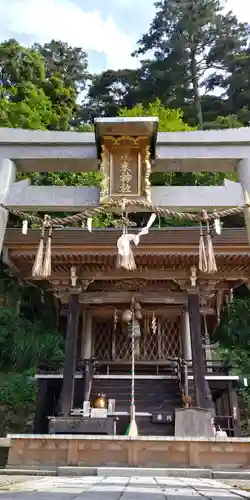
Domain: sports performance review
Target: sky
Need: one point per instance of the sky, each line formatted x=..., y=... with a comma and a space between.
x=106, y=29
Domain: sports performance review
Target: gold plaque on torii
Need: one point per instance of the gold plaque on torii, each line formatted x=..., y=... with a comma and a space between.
x=126, y=148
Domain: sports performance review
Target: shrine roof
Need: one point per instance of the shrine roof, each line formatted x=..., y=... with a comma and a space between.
x=232, y=240
x=166, y=253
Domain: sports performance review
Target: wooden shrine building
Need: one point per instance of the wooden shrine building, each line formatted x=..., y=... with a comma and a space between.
x=176, y=324
x=138, y=306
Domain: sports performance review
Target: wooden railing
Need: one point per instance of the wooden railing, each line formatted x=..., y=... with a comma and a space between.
x=165, y=367
x=160, y=367
x=213, y=367
x=169, y=366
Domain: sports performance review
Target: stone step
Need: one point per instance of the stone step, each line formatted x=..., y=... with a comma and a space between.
x=128, y=472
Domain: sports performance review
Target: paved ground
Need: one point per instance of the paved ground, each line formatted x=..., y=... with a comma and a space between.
x=108, y=488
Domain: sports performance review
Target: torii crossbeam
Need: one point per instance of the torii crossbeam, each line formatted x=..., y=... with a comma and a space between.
x=127, y=151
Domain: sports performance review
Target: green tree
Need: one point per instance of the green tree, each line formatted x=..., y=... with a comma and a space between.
x=63, y=102
x=26, y=107
x=28, y=337
x=110, y=91
x=235, y=83
x=169, y=120
x=233, y=336
x=66, y=70
x=39, y=84
x=20, y=64
x=192, y=37
x=69, y=62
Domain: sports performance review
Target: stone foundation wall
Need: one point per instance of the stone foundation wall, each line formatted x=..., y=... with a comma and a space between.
x=59, y=450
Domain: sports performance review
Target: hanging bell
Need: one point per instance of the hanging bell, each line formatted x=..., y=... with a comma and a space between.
x=127, y=316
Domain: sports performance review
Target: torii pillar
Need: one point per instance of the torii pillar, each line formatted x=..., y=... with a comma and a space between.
x=7, y=177
x=243, y=171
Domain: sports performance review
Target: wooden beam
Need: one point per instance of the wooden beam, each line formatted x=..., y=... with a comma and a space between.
x=106, y=311
x=147, y=274
x=120, y=275
x=126, y=297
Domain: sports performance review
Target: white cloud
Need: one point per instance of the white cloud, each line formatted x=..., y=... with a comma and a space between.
x=42, y=20
x=241, y=9
x=64, y=20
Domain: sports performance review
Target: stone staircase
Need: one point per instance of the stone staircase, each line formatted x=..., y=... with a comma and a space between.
x=152, y=396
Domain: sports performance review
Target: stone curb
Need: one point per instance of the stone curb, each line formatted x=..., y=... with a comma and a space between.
x=127, y=472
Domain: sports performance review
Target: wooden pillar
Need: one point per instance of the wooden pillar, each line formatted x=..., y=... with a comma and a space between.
x=201, y=387
x=68, y=385
x=186, y=338
x=40, y=420
x=87, y=336
x=86, y=355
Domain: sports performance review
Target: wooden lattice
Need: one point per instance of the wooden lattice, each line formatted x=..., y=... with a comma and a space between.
x=170, y=338
x=149, y=345
x=122, y=344
x=162, y=343
x=102, y=345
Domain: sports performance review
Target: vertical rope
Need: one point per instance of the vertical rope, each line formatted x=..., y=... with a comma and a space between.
x=132, y=430
x=133, y=362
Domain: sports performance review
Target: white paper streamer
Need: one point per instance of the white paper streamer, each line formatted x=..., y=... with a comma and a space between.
x=217, y=226
x=125, y=253
x=25, y=227
x=89, y=224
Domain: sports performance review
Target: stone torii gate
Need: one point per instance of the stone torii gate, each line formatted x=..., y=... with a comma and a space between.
x=199, y=151
x=127, y=151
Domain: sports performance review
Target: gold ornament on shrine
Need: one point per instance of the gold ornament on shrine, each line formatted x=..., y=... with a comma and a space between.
x=100, y=402
x=126, y=152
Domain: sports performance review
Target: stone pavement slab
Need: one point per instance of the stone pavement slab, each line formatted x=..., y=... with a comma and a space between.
x=118, y=488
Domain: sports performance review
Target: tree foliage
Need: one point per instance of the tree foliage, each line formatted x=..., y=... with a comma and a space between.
x=169, y=120
x=39, y=84
x=233, y=330
x=194, y=57
x=28, y=337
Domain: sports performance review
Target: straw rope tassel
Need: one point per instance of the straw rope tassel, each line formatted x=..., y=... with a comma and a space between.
x=38, y=264
x=46, y=272
x=202, y=252
x=133, y=430
x=211, y=262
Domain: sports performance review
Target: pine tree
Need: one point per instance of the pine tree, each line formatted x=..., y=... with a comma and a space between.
x=192, y=37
